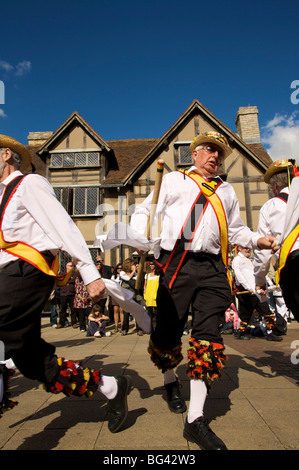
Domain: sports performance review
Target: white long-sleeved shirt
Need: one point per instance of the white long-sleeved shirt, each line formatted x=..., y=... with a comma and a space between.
x=177, y=195
x=271, y=222
x=243, y=270
x=34, y=216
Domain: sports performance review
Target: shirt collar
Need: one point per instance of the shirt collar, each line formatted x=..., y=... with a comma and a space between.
x=195, y=169
x=11, y=177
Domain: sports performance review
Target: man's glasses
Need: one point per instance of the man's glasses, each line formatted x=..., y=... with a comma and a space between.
x=212, y=149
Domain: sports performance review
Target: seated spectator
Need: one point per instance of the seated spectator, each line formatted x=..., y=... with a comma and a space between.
x=97, y=323
x=231, y=320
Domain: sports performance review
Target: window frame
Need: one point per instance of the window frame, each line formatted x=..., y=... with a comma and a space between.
x=68, y=193
x=178, y=146
x=75, y=154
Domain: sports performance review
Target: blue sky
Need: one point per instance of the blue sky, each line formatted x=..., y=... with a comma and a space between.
x=132, y=67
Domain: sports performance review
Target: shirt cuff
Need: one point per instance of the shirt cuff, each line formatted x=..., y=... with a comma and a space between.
x=88, y=273
x=255, y=237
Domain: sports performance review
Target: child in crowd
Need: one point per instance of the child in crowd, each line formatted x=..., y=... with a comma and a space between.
x=231, y=320
x=97, y=322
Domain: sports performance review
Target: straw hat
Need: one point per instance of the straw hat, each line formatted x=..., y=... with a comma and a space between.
x=279, y=166
x=212, y=138
x=15, y=146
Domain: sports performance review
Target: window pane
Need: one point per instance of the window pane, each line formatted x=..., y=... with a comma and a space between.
x=69, y=159
x=62, y=195
x=65, y=198
x=56, y=159
x=57, y=192
x=93, y=158
x=185, y=156
x=79, y=201
x=94, y=253
x=80, y=159
x=92, y=200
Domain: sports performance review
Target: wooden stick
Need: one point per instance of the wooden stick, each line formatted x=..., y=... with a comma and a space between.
x=160, y=168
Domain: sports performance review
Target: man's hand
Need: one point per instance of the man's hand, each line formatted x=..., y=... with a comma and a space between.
x=268, y=243
x=141, y=252
x=96, y=290
x=261, y=290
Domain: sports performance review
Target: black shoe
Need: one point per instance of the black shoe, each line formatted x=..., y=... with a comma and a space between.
x=273, y=337
x=201, y=434
x=118, y=407
x=242, y=336
x=176, y=403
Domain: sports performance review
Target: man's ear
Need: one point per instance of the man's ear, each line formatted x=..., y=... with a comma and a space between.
x=6, y=155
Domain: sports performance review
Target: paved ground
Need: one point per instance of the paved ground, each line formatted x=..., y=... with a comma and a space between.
x=254, y=406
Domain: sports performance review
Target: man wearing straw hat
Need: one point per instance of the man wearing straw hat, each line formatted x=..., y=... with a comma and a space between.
x=200, y=216
x=273, y=220
x=33, y=228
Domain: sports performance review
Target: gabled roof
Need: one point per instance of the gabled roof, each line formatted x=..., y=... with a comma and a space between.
x=132, y=156
x=255, y=152
x=74, y=118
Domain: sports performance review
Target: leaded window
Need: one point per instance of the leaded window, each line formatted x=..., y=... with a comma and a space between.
x=75, y=159
x=184, y=155
x=79, y=201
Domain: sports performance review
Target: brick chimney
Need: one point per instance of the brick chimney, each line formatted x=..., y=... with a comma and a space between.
x=247, y=124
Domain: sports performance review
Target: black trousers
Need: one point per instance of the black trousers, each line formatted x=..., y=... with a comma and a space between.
x=289, y=282
x=24, y=291
x=65, y=301
x=201, y=282
x=248, y=303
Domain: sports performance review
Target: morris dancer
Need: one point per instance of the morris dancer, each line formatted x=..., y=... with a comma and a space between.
x=279, y=217
x=33, y=228
x=250, y=297
x=200, y=215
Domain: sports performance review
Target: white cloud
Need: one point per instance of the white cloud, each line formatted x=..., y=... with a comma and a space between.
x=2, y=113
x=5, y=66
x=23, y=67
x=18, y=70
x=280, y=136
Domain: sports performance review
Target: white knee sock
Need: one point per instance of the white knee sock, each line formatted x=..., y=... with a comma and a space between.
x=198, y=395
x=169, y=376
x=108, y=386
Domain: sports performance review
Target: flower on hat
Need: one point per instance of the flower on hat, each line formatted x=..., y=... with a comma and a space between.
x=216, y=136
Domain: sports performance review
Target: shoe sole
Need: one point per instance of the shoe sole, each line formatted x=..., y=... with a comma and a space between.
x=129, y=388
x=189, y=438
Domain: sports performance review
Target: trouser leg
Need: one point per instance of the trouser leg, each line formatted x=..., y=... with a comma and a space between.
x=204, y=284
x=245, y=311
x=24, y=291
x=63, y=308
x=125, y=323
x=289, y=282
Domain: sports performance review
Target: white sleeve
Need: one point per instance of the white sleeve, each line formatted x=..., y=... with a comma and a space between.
x=39, y=199
x=262, y=258
x=238, y=232
x=243, y=275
